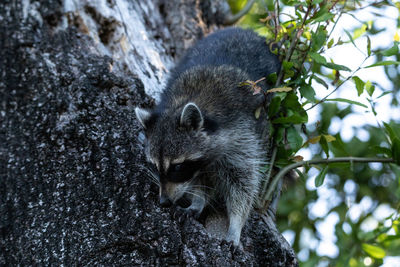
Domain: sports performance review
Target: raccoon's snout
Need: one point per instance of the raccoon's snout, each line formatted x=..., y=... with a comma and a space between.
x=165, y=201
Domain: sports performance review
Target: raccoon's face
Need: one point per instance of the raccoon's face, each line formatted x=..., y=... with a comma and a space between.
x=177, y=145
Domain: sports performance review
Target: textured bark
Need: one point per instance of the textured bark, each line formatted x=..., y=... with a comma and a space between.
x=74, y=188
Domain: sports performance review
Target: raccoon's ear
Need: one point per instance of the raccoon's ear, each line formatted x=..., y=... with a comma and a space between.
x=191, y=117
x=143, y=116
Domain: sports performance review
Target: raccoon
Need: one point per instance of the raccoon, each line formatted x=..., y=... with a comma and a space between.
x=202, y=136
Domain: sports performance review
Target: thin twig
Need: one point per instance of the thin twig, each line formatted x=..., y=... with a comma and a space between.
x=285, y=170
x=297, y=35
x=267, y=177
x=334, y=90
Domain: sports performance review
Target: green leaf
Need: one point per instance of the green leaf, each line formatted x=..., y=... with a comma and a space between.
x=350, y=37
x=396, y=150
x=319, y=80
x=273, y=107
x=318, y=39
x=271, y=79
x=324, y=144
x=336, y=66
x=295, y=118
x=359, y=85
x=319, y=180
x=394, y=50
x=390, y=131
x=330, y=43
x=318, y=58
x=287, y=65
x=374, y=251
x=368, y=46
x=360, y=31
x=382, y=150
x=369, y=87
x=347, y=101
x=279, y=135
x=329, y=138
x=384, y=63
x=294, y=139
x=385, y=93
x=308, y=92
x=366, y=236
x=323, y=15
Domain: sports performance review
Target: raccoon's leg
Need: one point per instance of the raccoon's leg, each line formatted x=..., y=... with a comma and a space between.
x=236, y=223
x=198, y=203
x=239, y=203
x=241, y=190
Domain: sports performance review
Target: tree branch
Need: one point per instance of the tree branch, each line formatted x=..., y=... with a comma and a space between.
x=231, y=19
x=285, y=170
x=334, y=90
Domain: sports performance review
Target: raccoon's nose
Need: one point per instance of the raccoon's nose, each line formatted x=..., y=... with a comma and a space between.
x=165, y=202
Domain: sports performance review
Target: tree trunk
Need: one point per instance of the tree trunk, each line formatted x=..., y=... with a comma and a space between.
x=74, y=188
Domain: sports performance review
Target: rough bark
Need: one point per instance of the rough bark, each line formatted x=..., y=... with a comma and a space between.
x=74, y=189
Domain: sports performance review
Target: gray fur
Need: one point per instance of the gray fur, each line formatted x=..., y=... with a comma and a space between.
x=142, y=115
x=207, y=115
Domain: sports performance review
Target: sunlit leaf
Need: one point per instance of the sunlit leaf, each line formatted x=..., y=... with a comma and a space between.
x=369, y=88
x=359, y=85
x=329, y=138
x=314, y=140
x=330, y=43
x=396, y=37
x=360, y=31
x=374, y=251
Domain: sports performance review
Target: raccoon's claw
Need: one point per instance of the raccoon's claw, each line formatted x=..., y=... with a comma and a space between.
x=194, y=213
x=231, y=246
x=181, y=214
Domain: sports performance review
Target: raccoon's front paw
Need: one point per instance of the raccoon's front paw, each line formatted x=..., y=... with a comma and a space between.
x=231, y=245
x=181, y=214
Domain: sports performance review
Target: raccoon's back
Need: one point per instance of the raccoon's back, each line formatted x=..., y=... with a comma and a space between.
x=235, y=47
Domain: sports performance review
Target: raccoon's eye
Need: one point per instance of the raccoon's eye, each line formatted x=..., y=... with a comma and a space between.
x=179, y=173
x=176, y=167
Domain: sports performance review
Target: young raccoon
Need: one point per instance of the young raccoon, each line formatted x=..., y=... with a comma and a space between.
x=202, y=135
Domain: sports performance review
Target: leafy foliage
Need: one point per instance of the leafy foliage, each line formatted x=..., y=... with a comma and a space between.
x=304, y=32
